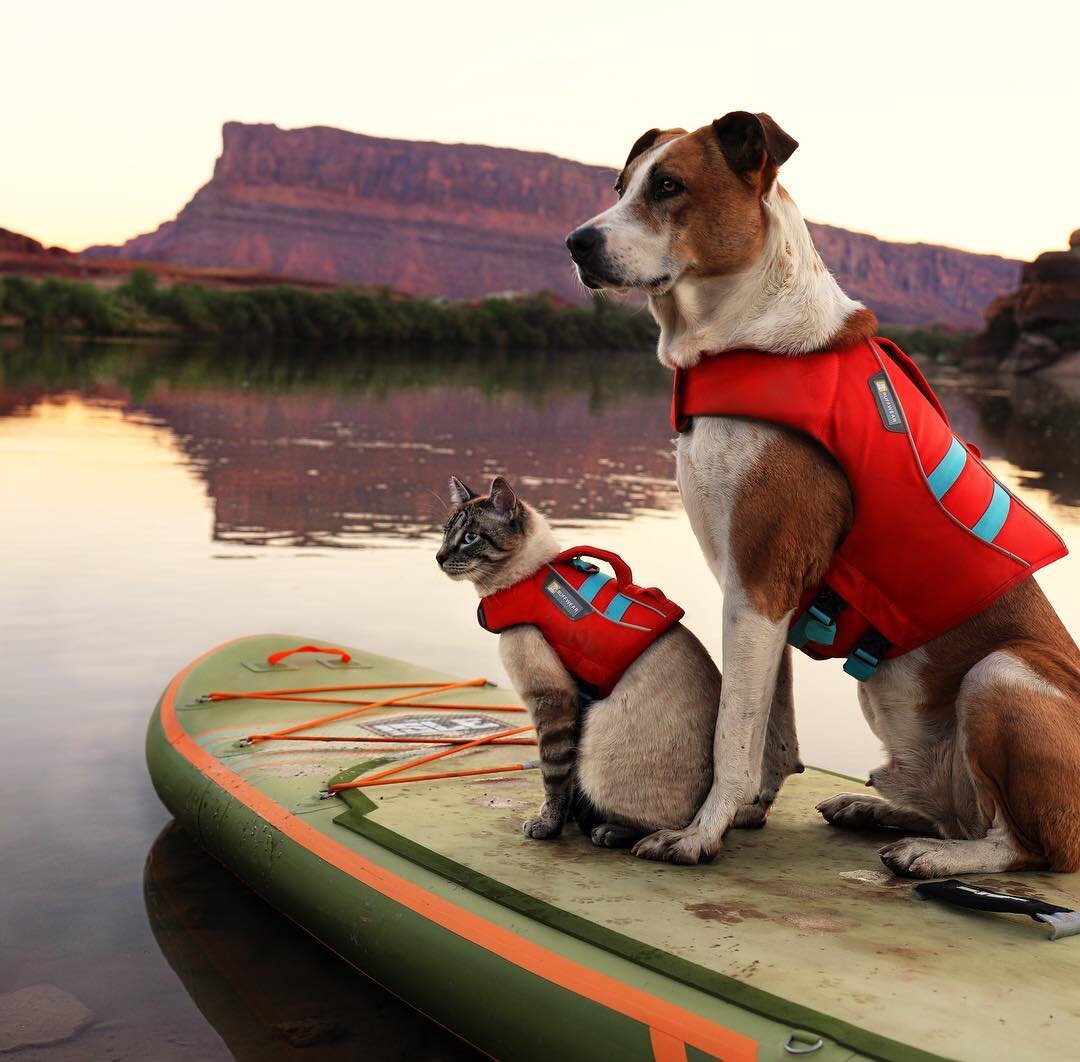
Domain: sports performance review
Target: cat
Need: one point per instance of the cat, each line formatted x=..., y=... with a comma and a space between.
x=634, y=762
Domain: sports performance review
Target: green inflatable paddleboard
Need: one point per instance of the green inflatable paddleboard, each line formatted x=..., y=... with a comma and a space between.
x=794, y=941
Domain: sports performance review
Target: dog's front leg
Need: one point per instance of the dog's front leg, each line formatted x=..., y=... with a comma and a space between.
x=753, y=649
x=781, y=755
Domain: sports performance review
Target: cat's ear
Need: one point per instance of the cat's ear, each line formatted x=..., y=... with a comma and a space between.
x=502, y=497
x=459, y=493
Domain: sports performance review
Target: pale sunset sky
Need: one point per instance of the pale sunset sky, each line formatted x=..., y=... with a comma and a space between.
x=953, y=123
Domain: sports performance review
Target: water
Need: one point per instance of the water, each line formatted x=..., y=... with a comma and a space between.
x=158, y=501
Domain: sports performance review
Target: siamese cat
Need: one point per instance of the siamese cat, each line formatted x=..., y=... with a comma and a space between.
x=636, y=761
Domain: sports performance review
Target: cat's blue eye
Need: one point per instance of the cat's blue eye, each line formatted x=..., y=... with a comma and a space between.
x=469, y=538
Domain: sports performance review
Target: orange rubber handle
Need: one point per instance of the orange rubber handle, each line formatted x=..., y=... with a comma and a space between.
x=276, y=658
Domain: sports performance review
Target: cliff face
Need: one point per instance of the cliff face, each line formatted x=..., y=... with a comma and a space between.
x=1038, y=323
x=466, y=220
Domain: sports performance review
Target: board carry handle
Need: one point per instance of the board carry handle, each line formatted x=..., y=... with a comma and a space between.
x=276, y=658
x=623, y=576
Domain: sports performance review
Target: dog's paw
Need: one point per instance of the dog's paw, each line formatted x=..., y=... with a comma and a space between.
x=751, y=817
x=851, y=811
x=675, y=846
x=919, y=857
x=541, y=828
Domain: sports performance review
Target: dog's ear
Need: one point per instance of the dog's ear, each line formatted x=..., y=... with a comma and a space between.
x=459, y=493
x=501, y=496
x=750, y=141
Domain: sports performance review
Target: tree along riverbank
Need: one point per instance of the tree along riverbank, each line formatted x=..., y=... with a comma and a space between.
x=347, y=317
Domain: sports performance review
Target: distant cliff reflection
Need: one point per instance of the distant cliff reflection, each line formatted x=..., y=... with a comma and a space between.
x=304, y=451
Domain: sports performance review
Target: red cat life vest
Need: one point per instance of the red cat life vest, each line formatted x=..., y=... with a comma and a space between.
x=935, y=537
x=597, y=625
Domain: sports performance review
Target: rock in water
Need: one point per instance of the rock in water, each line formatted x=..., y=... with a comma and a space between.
x=39, y=1015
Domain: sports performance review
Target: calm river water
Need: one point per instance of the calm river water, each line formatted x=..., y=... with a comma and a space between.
x=160, y=501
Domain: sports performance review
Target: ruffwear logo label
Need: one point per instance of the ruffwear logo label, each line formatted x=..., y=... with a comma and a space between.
x=565, y=597
x=888, y=405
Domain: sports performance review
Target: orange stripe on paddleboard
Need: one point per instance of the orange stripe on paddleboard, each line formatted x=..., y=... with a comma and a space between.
x=666, y=1048
x=659, y=1015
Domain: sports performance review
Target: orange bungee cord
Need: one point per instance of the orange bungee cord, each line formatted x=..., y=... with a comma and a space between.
x=385, y=776
x=414, y=698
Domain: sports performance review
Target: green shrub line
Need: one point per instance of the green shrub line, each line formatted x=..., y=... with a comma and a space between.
x=343, y=317
x=347, y=318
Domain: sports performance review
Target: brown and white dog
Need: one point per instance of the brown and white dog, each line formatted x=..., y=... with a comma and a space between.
x=981, y=726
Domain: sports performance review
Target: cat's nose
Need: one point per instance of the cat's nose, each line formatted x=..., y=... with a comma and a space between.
x=440, y=557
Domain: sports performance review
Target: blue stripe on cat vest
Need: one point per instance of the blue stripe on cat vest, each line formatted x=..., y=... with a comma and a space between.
x=617, y=607
x=593, y=585
x=948, y=468
x=993, y=520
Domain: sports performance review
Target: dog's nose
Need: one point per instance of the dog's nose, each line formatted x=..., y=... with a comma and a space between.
x=582, y=242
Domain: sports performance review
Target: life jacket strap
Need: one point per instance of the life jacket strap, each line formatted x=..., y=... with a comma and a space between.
x=818, y=622
x=867, y=654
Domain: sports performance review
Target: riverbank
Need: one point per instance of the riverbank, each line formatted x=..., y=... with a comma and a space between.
x=347, y=318
x=342, y=317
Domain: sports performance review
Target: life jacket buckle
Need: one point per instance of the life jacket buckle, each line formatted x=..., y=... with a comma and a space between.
x=867, y=655
x=818, y=622
x=861, y=665
x=820, y=626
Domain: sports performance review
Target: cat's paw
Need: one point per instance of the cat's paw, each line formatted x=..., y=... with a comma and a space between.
x=541, y=828
x=675, y=846
x=612, y=835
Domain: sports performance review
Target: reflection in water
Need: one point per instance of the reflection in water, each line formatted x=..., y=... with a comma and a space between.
x=270, y=990
x=134, y=471
x=300, y=453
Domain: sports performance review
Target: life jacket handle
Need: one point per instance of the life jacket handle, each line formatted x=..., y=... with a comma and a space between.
x=623, y=576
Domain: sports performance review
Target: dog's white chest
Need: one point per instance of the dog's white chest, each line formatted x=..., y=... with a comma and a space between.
x=712, y=460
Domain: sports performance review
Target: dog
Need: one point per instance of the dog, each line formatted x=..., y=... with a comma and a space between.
x=981, y=725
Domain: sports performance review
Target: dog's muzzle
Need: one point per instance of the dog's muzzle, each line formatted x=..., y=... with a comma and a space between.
x=586, y=245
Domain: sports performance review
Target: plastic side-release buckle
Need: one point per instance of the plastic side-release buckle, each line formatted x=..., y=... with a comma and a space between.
x=583, y=565
x=867, y=655
x=797, y=635
x=818, y=622
x=820, y=626
x=860, y=664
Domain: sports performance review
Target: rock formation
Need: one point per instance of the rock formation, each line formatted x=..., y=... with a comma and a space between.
x=1038, y=323
x=464, y=220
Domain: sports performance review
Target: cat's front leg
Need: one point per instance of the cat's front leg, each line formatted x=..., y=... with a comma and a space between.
x=551, y=697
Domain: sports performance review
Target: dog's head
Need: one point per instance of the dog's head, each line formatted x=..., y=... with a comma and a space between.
x=689, y=204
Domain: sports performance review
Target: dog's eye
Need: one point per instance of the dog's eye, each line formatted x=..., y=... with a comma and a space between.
x=619, y=189
x=469, y=538
x=666, y=187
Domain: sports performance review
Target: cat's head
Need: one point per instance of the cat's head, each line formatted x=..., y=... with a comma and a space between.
x=485, y=535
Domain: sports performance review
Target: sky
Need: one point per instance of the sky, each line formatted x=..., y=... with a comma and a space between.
x=945, y=122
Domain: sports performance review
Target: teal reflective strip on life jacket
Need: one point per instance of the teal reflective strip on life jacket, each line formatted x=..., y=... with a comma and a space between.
x=993, y=520
x=948, y=468
x=592, y=586
x=617, y=607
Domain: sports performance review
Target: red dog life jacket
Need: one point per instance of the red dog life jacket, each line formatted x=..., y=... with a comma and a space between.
x=935, y=537
x=597, y=625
